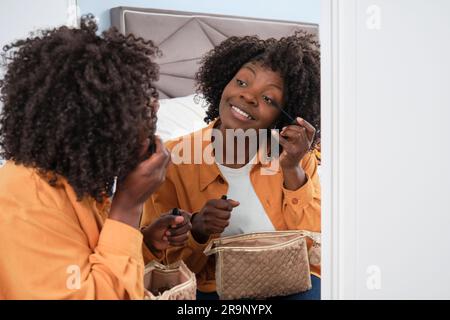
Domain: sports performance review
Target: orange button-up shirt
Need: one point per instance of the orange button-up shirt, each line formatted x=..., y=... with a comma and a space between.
x=189, y=185
x=55, y=247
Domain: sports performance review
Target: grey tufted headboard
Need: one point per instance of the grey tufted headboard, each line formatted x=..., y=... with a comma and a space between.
x=184, y=37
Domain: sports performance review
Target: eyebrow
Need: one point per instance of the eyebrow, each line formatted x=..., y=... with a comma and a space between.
x=270, y=84
x=251, y=69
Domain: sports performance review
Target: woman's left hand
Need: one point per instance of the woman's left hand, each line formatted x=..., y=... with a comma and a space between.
x=167, y=230
x=296, y=141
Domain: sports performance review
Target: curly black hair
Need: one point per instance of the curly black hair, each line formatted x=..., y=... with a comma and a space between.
x=78, y=105
x=296, y=58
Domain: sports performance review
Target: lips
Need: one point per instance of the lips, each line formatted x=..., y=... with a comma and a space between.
x=241, y=112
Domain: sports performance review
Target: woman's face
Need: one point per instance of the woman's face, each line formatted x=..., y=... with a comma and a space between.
x=251, y=98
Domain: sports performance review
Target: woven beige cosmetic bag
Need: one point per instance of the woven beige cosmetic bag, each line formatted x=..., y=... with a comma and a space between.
x=262, y=265
x=172, y=282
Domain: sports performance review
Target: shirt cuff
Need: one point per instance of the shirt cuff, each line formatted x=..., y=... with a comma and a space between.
x=150, y=256
x=121, y=238
x=196, y=246
x=301, y=197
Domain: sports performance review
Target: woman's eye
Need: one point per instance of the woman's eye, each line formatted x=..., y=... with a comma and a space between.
x=241, y=83
x=267, y=100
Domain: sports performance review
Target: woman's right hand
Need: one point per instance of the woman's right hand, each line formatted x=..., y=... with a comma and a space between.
x=167, y=230
x=140, y=183
x=213, y=218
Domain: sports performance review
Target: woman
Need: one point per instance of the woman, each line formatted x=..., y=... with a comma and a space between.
x=79, y=113
x=259, y=87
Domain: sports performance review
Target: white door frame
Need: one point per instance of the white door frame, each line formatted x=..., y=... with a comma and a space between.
x=338, y=102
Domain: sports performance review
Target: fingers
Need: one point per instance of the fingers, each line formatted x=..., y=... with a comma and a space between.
x=144, y=148
x=222, y=204
x=186, y=215
x=294, y=128
x=305, y=124
x=168, y=220
x=178, y=241
x=215, y=215
x=293, y=132
x=179, y=236
x=282, y=141
x=219, y=214
x=159, y=145
x=217, y=227
x=298, y=136
x=182, y=229
x=311, y=131
x=161, y=152
x=233, y=203
x=217, y=220
x=216, y=230
x=220, y=224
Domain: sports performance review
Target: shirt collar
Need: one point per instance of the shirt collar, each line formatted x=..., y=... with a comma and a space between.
x=210, y=172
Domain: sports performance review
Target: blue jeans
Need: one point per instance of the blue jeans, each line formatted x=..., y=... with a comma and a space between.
x=313, y=294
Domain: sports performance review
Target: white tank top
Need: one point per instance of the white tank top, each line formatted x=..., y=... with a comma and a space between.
x=250, y=215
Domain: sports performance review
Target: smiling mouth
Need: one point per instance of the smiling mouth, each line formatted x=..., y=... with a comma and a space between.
x=241, y=112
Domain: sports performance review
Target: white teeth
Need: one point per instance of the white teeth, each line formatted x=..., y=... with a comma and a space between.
x=241, y=112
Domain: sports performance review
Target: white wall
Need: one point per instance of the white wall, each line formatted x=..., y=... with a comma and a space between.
x=386, y=148
x=293, y=10
x=19, y=17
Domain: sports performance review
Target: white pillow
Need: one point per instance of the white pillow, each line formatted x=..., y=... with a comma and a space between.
x=180, y=116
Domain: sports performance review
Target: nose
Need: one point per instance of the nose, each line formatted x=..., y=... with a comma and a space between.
x=249, y=97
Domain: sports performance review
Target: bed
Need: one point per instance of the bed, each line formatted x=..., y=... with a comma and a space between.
x=183, y=38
